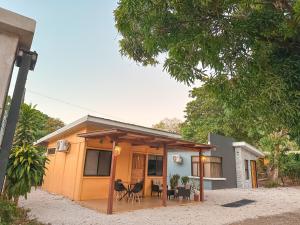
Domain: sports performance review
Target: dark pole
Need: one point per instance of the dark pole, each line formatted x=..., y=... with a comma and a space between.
x=165, y=166
x=25, y=63
x=201, y=174
x=112, y=179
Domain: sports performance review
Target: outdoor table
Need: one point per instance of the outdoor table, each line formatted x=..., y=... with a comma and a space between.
x=129, y=185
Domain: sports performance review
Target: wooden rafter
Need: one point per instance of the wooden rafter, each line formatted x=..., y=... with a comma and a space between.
x=142, y=138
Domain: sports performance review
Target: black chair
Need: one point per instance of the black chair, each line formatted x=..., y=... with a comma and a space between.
x=120, y=189
x=134, y=192
x=155, y=188
x=183, y=192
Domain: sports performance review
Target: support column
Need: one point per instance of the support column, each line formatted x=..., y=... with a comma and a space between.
x=13, y=115
x=201, y=174
x=112, y=180
x=165, y=166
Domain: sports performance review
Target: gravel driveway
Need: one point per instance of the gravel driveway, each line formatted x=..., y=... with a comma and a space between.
x=55, y=209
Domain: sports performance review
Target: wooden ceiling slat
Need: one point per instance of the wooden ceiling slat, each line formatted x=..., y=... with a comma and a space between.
x=136, y=138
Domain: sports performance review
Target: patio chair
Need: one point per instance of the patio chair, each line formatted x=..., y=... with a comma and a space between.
x=156, y=187
x=183, y=192
x=134, y=193
x=120, y=189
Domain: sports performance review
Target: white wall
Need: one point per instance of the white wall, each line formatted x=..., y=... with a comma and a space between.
x=240, y=156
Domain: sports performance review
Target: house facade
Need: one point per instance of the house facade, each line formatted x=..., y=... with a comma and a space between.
x=231, y=165
x=87, y=164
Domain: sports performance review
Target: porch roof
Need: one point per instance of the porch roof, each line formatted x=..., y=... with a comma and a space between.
x=143, y=138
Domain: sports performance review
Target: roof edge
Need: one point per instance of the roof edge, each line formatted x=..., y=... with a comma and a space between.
x=109, y=122
x=249, y=148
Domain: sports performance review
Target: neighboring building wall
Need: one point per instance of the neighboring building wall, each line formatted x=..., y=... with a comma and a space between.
x=226, y=151
x=241, y=155
x=184, y=169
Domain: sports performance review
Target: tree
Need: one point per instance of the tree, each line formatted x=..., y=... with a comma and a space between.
x=278, y=144
x=26, y=167
x=171, y=125
x=239, y=40
x=28, y=126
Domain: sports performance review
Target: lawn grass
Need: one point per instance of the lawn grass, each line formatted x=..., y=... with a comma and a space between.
x=10, y=214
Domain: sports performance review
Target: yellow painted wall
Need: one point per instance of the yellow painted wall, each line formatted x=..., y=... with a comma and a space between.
x=62, y=174
x=65, y=170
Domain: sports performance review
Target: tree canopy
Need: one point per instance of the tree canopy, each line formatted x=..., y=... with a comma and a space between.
x=171, y=125
x=248, y=51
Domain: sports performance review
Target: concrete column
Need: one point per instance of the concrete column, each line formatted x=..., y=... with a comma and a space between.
x=16, y=31
x=8, y=46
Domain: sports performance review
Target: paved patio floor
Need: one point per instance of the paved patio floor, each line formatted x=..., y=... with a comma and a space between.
x=125, y=206
x=54, y=209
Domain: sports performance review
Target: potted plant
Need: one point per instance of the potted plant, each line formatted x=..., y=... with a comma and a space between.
x=196, y=195
x=174, y=181
x=184, y=180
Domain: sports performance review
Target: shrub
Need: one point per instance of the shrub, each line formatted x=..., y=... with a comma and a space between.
x=184, y=180
x=174, y=181
x=272, y=184
x=26, y=167
x=10, y=214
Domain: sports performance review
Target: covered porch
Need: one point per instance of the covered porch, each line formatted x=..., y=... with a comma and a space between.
x=100, y=205
x=133, y=138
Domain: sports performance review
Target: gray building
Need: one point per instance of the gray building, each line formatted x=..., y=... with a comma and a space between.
x=231, y=165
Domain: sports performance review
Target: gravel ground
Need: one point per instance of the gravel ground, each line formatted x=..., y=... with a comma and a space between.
x=281, y=219
x=55, y=209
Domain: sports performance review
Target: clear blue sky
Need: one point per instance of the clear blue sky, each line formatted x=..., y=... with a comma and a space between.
x=79, y=63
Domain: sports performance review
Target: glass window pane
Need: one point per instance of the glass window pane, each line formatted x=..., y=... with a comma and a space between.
x=91, y=161
x=151, y=165
x=216, y=170
x=207, y=172
x=104, y=163
x=195, y=169
x=159, y=165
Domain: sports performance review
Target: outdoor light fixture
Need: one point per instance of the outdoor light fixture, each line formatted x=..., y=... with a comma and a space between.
x=20, y=55
x=203, y=158
x=117, y=150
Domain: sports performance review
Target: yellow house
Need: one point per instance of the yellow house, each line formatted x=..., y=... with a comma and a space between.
x=88, y=155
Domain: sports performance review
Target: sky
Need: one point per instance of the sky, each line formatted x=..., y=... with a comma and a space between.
x=80, y=70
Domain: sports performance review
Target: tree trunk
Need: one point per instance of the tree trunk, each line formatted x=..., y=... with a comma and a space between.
x=276, y=164
x=16, y=200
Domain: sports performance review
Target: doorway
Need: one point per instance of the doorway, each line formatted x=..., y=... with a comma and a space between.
x=138, y=168
x=253, y=174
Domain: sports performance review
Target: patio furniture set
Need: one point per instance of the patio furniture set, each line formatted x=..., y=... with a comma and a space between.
x=132, y=191
x=180, y=191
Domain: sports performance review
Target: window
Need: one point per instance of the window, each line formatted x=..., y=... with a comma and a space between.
x=247, y=169
x=212, y=166
x=97, y=163
x=155, y=165
x=51, y=151
x=195, y=166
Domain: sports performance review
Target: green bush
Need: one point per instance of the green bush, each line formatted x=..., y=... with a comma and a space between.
x=184, y=180
x=10, y=214
x=291, y=169
x=26, y=167
x=272, y=184
x=174, y=181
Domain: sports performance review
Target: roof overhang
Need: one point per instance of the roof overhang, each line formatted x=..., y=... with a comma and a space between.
x=107, y=124
x=249, y=148
x=17, y=25
x=144, y=138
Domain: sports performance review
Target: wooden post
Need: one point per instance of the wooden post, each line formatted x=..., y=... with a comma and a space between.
x=201, y=174
x=112, y=180
x=165, y=161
